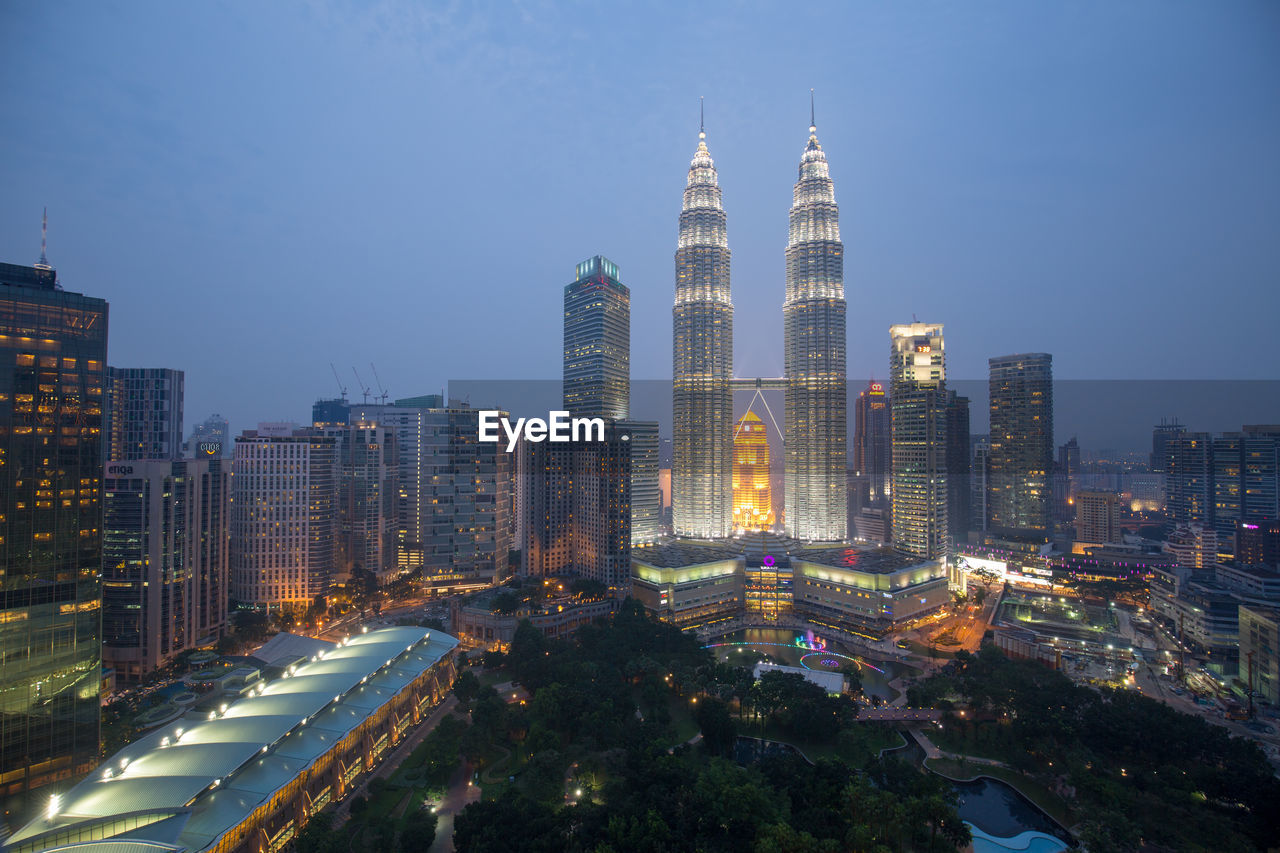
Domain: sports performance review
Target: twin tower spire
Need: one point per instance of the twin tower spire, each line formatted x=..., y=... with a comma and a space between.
x=815, y=451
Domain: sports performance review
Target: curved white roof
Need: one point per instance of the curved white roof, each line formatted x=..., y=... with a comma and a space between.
x=222, y=768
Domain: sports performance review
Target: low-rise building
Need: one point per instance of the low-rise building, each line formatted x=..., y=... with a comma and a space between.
x=1260, y=651
x=873, y=588
x=688, y=584
x=247, y=776
x=478, y=625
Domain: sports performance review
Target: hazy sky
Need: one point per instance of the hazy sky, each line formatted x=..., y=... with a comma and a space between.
x=262, y=188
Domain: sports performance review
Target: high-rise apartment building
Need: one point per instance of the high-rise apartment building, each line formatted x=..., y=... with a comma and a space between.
x=1160, y=435
x=917, y=405
x=958, y=463
x=752, y=488
x=165, y=560
x=815, y=448
x=646, y=493
x=283, y=516
x=415, y=441
x=702, y=344
x=1246, y=479
x=980, y=448
x=53, y=350
x=1189, y=470
x=1065, y=475
x=212, y=431
x=366, y=500
x=1020, y=461
x=1098, y=517
x=597, y=342
x=466, y=492
x=144, y=413
x=1258, y=544
x=872, y=447
x=1194, y=546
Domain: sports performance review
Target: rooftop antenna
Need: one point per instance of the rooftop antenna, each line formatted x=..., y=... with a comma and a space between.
x=813, y=125
x=43, y=263
x=364, y=389
x=702, y=117
x=382, y=396
x=341, y=389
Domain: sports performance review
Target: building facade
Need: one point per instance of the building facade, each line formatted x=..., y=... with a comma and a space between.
x=165, y=561
x=815, y=447
x=1260, y=651
x=53, y=349
x=752, y=487
x=213, y=432
x=144, y=413
x=872, y=444
x=283, y=516
x=917, y=405
x=702, y=344
x=1098, y=517
x=1021, y=456
x=366, y=500
x=597, y=342
x=958, y=467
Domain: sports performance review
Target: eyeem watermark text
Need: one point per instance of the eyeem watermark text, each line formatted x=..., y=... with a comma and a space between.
x=559, y=426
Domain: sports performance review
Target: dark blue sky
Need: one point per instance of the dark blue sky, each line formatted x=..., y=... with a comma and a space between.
x=262, y=188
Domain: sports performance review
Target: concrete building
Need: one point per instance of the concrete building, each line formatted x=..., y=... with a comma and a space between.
x=479, y=626
x=210, y=437
x=166, y=538
x=874, y=589
x=1098, y=517
x=1260, y=651
x=1189, y=488
x=247, y=775
x=688, y=584
x=283, y=516
x=53, y=349
x=959, y=487
x=144, y=413
x=1194, y=546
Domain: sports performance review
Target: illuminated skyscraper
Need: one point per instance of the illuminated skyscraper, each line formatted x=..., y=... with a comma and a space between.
x=816, y=446
x=1020, y=462
x=752, y=492
x=597, y=342
x=53, y=349
x=702, y=398
x=918, y=404
x=872, y=450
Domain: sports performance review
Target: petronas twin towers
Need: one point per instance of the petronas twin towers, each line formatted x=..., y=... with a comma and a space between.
x=815, y=507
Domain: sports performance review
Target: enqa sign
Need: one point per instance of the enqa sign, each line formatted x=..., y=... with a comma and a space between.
x=557, y=427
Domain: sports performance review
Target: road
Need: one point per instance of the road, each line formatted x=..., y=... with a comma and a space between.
x=460, y=794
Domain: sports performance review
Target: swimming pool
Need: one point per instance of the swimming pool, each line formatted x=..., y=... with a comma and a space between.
x=1023, y=842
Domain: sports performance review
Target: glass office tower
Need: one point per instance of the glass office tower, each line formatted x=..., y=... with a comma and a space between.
x=53, y=349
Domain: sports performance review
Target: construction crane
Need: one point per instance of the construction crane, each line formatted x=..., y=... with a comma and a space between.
x=364, y=389
x=341, y=389
x=382, y=392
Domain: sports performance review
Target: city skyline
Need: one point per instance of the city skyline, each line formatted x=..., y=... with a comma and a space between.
x=1065, y=125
